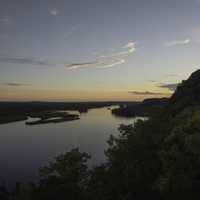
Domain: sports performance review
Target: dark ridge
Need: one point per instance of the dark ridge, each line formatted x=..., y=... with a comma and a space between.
x=147, y=108
x=187, y=94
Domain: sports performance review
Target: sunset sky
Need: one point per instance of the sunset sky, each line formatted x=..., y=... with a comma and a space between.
x=96, y=50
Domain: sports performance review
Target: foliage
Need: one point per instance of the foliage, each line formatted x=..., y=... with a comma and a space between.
x=67, y=177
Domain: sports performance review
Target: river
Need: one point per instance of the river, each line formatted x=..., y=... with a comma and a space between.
x=24, y=149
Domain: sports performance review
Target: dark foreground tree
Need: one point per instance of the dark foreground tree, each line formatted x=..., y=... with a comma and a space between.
x=65, y=178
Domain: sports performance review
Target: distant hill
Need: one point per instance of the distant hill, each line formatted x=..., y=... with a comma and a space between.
x=156, y=101
x=148, y=107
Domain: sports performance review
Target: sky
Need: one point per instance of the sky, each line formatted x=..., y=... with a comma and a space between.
x=96, y=50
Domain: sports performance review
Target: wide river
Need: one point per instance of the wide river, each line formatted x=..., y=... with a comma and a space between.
x=24, y=149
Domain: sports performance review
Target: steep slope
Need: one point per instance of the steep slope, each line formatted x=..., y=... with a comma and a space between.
x=187, y=94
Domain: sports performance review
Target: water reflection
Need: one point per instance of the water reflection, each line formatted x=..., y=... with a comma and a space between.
x=24, y=149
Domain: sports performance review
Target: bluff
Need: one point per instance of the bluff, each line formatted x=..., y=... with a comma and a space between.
x=186, y=95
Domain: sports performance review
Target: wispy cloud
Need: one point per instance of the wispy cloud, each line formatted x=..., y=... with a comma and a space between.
x=178, y=42
x=171, y=86
x=148, y=93
x=117, y=58
x=127, y=49
x=131, y=46
x=164, y=77
x=100, y=63
x=14, y=84
x=106, y=61
x=152, y=81
x=22, y=60
x=6, y=20
x=54, y=11
x=171, y=75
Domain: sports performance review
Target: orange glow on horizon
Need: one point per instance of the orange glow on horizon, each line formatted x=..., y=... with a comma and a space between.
x=63, y=95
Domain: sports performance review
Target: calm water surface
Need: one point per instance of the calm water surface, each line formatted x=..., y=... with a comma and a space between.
x=24, y=149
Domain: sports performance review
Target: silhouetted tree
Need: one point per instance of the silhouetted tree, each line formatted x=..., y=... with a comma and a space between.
x=65, y=178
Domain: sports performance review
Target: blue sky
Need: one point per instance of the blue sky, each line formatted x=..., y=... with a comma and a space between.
x=79, y=50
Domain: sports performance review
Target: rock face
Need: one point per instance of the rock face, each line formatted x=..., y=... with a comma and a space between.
x=187, y=94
